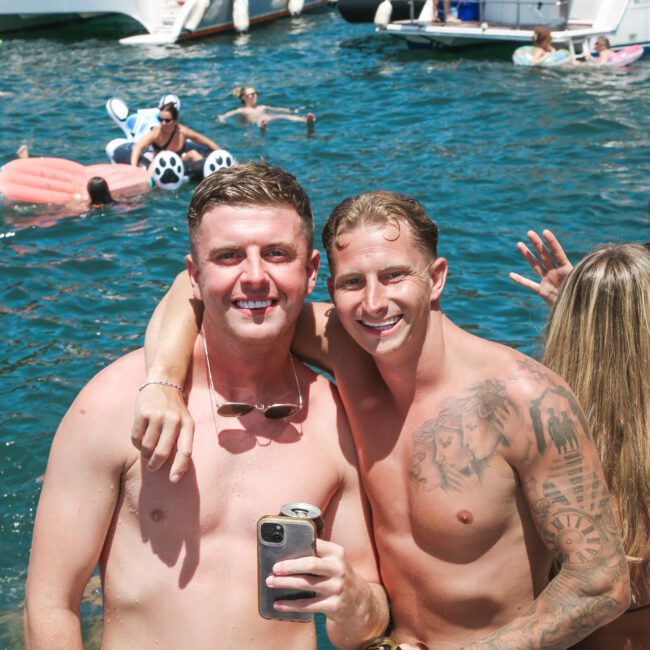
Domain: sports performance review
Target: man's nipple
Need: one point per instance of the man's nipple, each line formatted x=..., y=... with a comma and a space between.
x=465, y=517
x=157, y=515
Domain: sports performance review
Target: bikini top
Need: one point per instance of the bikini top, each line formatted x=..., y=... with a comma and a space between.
x=165, y=147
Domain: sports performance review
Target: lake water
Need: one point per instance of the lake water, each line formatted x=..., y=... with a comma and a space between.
x=491, y=150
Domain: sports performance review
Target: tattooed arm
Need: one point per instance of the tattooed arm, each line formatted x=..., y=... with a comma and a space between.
x=563, y=483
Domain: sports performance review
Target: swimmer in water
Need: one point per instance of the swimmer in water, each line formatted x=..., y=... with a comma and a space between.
x=262, y=114
x=543, y=45
x=98, y=192
x=604, y=51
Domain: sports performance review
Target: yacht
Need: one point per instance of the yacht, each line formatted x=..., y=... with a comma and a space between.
x=482, y=22
x=163, y=21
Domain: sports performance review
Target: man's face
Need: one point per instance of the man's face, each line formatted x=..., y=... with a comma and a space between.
x=252, y=269
x=382, y=286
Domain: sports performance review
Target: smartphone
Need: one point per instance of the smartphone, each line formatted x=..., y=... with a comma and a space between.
x=282, y=538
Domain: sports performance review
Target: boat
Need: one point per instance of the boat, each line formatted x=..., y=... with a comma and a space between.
x=165, y=21
x=491, y=22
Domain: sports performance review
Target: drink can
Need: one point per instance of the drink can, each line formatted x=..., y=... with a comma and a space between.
x=304, y=511
x=382, y=643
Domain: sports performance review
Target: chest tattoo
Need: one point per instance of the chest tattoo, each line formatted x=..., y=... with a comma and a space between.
x=451, y=450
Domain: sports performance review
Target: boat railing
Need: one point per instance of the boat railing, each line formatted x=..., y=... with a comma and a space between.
x=515, y=13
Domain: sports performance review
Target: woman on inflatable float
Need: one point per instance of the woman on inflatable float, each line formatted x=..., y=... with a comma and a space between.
x=171, y=135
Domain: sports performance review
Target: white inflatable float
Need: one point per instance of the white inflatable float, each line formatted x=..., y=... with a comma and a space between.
x=169, y=172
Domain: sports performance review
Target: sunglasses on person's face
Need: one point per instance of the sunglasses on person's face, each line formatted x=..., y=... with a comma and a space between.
x=250, y=94
x=165, y=120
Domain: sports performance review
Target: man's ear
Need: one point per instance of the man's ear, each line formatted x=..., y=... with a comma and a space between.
x=313, y=264
x=193, y=271
x=438, y=275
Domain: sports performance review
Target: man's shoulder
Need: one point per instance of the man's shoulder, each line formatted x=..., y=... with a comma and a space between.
x=117, y=382
x=98, y=422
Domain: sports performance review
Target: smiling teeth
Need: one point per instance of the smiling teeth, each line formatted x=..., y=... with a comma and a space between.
x=385, y=325
x=253, y=304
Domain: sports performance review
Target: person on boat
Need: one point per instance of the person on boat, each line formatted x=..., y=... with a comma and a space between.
x=261, y=114
x=178, y=562
x=598, y=339
x=543, y=45
x=171, y=135
x=476, y=459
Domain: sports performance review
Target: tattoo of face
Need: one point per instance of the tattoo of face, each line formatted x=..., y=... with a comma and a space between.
x=453, y=449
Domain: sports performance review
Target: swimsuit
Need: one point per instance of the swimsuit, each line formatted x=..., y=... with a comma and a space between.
x=165, y=147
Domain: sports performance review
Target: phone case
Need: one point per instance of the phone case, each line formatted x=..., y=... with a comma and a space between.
x=299, y=541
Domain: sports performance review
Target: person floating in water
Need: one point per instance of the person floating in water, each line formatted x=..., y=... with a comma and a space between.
x=171, y=135
x=99, y=193
x=543, y=44
x=262, y=114
x=604, y=51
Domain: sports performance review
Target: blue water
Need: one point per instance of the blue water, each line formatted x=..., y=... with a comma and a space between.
x=490, y=149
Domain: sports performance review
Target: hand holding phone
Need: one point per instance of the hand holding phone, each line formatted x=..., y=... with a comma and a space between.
x=282, y=538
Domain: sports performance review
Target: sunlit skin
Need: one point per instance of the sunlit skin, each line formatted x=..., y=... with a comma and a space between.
x=178, y=560
x=383, y=289
x=252, y=269
x=262, y=114
x=465, y=536
x=160, y=135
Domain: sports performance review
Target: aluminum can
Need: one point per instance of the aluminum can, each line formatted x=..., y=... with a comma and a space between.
x=382, y=643
x=304, y=511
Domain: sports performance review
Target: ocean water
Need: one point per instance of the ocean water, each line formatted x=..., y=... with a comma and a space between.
x=490, y=150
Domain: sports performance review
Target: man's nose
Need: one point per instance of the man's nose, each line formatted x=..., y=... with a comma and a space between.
x=374, y=297
x=254, y=271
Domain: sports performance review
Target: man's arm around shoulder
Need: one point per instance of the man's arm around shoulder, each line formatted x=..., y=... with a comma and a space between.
x=90, y=451
x=563, y=484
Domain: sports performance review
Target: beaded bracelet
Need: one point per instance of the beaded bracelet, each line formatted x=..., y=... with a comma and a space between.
x=164, y=383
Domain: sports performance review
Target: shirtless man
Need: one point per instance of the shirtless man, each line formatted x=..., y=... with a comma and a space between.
x=178, y=561
x=471, y=498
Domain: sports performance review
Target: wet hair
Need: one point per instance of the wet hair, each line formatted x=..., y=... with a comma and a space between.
x=598, y=340
x=98, y=191
x=541, y=35
x=240, y=91
x=169, y=108
x=604, y=41
x=380, y=208
x=251, y=183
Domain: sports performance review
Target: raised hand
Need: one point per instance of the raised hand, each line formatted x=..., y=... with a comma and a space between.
x=551, y=265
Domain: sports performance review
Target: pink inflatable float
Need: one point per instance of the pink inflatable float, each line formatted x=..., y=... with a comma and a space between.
x=623, y=57
x=60, y=181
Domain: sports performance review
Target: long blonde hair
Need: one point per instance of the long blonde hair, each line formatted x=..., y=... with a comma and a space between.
x=598, y=340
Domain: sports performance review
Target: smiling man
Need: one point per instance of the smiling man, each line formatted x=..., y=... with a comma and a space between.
x=472, y=497
x=178, y=561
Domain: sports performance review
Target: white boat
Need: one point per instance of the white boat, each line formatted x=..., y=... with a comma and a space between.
x=482, y=22
x=165, y=21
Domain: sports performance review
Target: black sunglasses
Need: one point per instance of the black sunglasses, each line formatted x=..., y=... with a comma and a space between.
x=164, y=120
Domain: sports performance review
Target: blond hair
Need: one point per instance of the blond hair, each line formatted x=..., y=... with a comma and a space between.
x=380, y=208
x=598, y=340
